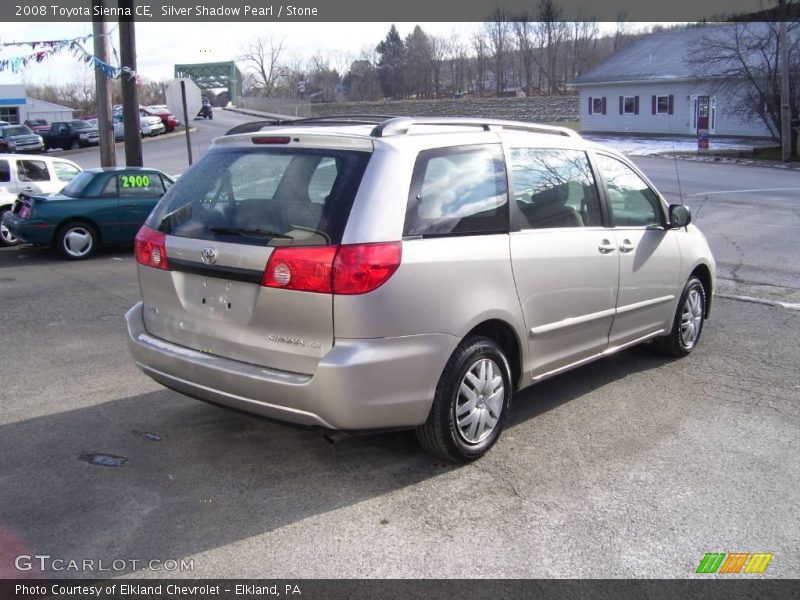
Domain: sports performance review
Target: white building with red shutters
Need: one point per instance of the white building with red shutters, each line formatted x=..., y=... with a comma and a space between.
x=652, y=86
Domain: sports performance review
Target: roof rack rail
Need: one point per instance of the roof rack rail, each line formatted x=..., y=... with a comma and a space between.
x=355, y=119
x=253, y=126
x=401, y=125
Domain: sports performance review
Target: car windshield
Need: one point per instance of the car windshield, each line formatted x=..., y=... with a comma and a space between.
x=81, y=124
x=76, y=186
x=276, y=196
x=19, y=130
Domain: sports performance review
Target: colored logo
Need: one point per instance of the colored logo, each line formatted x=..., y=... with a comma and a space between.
x=734, y=562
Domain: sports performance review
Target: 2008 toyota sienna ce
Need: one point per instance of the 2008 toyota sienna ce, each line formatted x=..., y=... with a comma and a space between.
x=355, y=273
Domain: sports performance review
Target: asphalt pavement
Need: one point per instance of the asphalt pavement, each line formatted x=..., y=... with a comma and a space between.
x=633, y=466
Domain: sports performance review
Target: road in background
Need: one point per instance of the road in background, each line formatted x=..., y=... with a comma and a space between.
x=169, y=154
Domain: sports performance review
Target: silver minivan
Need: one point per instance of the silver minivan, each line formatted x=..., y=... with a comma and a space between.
x=360, y=274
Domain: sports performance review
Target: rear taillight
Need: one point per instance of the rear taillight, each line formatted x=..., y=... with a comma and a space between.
x=350, y=269
x=24, y=211
x=150, y=248
x=306, y=269
x=361, y=268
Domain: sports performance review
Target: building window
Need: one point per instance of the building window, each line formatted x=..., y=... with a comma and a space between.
x=629, y=105
x=597, y=106
x=662, y=105
x=9, y=114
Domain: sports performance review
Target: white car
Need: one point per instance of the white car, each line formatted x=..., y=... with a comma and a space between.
x=147, y=126
x=34, y=175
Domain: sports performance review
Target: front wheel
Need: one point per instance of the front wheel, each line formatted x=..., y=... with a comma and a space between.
x=76, y=240
x=75, y=145
x=688, y=322
x=6, y=237
x=471, y=402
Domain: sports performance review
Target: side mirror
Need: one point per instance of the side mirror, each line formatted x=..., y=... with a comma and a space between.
x=679, y=216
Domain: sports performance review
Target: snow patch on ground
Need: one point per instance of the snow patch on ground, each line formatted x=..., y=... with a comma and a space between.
x=648, y=146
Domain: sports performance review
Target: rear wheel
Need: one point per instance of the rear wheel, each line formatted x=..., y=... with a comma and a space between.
x=76, y=240
x=688, y=322
x=471, y=402
x=75, y=145
x=6, y=237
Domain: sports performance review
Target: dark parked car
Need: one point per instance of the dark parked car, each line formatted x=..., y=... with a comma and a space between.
x=19, y=138
x=99, y=206
x=71, y=135
x=207, y=111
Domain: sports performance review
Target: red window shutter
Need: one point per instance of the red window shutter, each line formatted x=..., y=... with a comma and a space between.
x=621, y=100
x=654, y=105
x=636, y=105
x=603, y=102
x=590, y=105
x=671, y=97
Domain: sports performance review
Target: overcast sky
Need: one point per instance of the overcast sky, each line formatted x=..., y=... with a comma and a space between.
x=161, y=45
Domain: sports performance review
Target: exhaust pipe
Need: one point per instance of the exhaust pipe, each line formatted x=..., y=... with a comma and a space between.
x=334, y=437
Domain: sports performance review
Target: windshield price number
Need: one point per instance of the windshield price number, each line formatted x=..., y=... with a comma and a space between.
x=135, y=181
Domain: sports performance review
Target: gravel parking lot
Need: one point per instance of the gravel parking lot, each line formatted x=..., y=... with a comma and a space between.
x=646, y=462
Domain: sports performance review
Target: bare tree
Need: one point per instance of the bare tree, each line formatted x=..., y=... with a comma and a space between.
x=480, y=46
x=262, y=58
x=551, y=33
x=742, y=61
x=523, y=31
x=497, y=32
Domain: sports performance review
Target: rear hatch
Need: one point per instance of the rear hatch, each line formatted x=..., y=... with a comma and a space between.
x=220, y=224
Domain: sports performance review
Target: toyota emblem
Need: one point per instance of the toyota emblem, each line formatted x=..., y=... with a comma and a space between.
x=209, y=255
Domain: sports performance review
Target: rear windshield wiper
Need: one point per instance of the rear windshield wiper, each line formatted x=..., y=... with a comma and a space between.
x=244, y=231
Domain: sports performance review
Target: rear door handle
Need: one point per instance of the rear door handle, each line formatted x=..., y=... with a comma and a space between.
x=605, y=247
x=626, y=246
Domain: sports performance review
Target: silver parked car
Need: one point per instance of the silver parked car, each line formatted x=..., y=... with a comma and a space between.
x=362, y=274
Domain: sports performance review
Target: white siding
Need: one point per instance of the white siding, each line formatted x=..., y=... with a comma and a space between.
x=680, y=122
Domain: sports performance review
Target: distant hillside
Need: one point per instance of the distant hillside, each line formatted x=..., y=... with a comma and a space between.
x=543, y=109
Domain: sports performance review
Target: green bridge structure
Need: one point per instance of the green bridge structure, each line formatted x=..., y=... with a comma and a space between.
x=214, y=75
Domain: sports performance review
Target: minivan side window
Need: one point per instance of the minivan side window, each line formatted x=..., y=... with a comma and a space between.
x=554, y=187
x=5, y=171
x=32, y=170
x=459, y=190
x=632, y=202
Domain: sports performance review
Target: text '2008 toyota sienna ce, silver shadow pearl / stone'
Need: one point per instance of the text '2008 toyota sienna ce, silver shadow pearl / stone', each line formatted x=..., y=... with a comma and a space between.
x=359, y=274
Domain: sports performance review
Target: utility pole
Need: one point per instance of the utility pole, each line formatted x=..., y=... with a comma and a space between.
x=108, y=155
x=786, y=115
x=130, y=92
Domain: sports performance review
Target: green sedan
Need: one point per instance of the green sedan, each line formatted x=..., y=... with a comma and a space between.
x=99, y=206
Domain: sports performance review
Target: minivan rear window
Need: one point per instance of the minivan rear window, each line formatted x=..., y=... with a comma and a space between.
x=274, y=196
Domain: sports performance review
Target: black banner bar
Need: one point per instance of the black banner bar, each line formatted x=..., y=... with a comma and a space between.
x=463, y=11
x=430, y=589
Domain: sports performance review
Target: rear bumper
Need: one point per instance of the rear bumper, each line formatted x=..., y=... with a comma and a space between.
x=29, y=231
x=360, y=384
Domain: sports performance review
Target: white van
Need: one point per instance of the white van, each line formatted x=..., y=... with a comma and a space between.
x=33, y=175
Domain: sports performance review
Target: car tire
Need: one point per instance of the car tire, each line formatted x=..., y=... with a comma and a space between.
x=468, y=398
x=77, y=240
x=75, y=145
x=687, y=325
x=6, y=237
x=210, y=115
